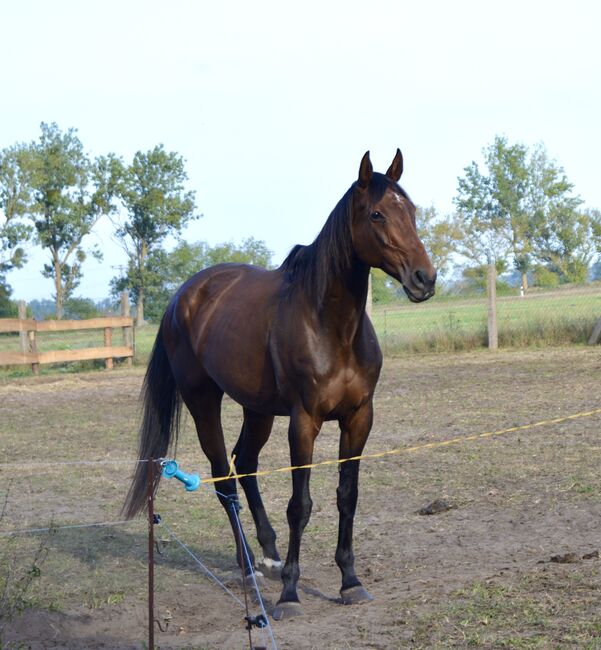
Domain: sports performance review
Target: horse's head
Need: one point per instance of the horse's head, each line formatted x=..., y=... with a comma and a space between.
x=384, y=232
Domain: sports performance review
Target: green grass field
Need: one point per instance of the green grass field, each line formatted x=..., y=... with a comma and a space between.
x=444, y=323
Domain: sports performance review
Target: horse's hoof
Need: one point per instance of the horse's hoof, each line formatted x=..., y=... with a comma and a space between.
x=271, y=569
x=284, y=610
x=355, y=595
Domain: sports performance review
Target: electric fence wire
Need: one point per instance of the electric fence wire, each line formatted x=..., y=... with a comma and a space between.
x=245, y=547
x=254, y=578
x=205, y=569
x=53, y=529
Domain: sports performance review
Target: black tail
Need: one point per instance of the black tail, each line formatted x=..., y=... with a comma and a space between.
x=160, y=422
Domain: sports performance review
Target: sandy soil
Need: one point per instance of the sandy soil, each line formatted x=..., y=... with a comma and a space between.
x=478, y=574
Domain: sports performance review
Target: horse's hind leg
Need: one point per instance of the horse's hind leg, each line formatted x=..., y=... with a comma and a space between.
x=255, y=433
x=204, y=403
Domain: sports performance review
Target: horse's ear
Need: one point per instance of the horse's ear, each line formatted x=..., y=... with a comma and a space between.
x=396, y=169
x=366, y=171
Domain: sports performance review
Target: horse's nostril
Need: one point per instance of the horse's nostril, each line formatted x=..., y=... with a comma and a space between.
x=419, y=278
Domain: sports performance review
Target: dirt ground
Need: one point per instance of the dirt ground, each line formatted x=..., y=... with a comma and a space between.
x=514, y=562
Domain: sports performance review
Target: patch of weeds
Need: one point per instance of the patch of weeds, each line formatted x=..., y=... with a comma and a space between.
x=16, y=581
x=489, y=614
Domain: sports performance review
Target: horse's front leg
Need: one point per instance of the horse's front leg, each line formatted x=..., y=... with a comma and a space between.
x=354, y=430
x=301, y=436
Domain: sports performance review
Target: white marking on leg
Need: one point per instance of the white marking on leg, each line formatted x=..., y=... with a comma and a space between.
x=272, y=564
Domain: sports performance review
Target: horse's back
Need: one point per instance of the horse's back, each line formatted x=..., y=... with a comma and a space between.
x=223, y=316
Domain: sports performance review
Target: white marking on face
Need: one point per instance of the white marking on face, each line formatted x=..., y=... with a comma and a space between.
x=397, y=198
x=272, y=564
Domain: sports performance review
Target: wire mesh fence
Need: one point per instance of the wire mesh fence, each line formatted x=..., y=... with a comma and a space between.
x=454, y=322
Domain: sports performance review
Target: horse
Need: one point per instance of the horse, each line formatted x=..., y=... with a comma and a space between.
x=294, y=341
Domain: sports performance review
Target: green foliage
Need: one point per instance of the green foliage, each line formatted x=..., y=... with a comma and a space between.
x=476, y=277
x=152, y=192
x=14, y=199
x=440, y=235
x=494, y=205
x=522, y=209
x=81, y=308
x=383, y=289
x=64, y=194
x=8, y=308
x=544, y=277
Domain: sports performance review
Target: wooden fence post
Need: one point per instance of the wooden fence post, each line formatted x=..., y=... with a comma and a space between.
x=22, y=314
x=33, y=347
x=491, y=294
x=108, y=342
x=596, y=333
x=128, y=338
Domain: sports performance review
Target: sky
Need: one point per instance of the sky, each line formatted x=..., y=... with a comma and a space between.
x=273, y=103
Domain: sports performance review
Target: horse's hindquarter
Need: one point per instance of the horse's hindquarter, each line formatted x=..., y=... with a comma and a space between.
x=226, y=313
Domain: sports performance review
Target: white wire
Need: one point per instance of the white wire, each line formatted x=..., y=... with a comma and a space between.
x=252, y=573
x=25, y=531
x=201, y=565
x=61, y=463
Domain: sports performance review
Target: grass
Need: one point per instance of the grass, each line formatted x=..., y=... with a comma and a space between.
x=454, y=324
x=499, y=614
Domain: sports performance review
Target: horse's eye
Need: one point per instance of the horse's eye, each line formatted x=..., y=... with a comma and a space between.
x=377, y=216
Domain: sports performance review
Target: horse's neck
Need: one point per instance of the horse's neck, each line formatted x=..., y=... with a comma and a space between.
x=343, y=307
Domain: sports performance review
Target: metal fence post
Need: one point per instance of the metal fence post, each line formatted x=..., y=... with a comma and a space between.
x=150, y=507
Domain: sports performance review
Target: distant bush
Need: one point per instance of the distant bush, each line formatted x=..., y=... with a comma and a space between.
x=544, y=277
x=80, y=309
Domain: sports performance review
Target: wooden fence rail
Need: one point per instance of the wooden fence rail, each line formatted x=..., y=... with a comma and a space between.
x=29, y=353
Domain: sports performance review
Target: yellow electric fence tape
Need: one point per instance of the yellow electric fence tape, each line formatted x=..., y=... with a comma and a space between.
x=403, y=450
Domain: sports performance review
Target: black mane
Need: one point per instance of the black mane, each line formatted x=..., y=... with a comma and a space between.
x=331, y=254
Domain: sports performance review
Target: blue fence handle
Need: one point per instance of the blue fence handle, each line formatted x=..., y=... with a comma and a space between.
x=172, y=470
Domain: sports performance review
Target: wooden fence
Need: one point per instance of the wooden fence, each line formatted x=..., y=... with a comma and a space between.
x=29, y=353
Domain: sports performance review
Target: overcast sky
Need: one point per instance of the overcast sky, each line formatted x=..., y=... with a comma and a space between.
x=273, y=103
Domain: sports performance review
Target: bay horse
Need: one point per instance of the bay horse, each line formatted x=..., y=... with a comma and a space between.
x=293, y=341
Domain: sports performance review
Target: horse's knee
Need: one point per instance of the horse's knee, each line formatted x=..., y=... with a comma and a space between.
x=346, y=499
x=299, y=511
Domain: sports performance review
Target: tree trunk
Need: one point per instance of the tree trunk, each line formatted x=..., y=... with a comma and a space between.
x=143, y=252
x=58, y=285
x=524, y=282
x=140, y=322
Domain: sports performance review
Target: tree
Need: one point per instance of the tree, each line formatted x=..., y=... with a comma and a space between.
x=523, y=208
x=493, y=207
x=441, y=237
x=14, y=231
x=157, y=205
x=69, y=194
x=81, y=308
x=563, y=235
